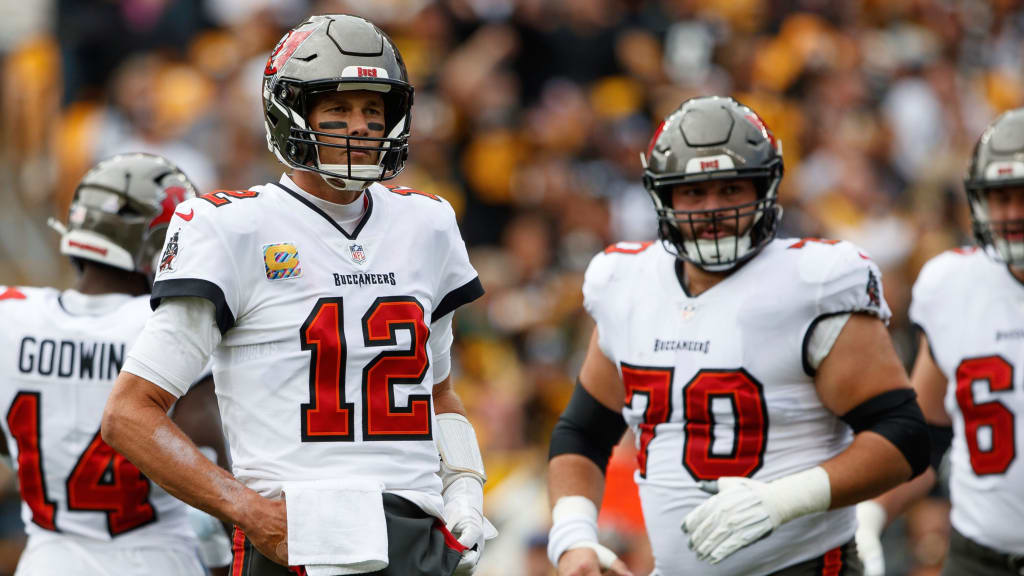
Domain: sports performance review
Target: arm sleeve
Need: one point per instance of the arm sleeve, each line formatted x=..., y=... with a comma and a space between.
x=198, y=261
x=459, y=283
x=823, y=337
x=440, y=342
x=925, y=307
x=175, y=346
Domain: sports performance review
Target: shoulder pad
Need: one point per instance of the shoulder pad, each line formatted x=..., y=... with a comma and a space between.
x=846, y=278
x=12, y=293
x=221, y=198
x=604, y=268
x=935, y=278
x=412, y=192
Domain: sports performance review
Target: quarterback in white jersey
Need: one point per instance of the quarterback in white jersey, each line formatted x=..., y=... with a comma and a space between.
x=755, y=368
x=87, y=509
x=325, y=300
x=968, y=372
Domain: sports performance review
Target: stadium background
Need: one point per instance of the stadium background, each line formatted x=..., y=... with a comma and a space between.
x=529, y=117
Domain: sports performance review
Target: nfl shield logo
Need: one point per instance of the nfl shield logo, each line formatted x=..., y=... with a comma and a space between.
x=358, y=256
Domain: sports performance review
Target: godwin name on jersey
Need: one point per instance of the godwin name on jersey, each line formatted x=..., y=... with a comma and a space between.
x=324, y=368
x=719, y=384
x=972, y=311
x=56, y=371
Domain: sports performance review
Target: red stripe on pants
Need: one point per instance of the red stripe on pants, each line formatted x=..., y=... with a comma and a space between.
x=833, y=564
x=237, y=552
x=238, y=555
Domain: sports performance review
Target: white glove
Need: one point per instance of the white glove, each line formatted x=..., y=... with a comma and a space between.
x=743, y=511
x=464, y=517
x=871, y=519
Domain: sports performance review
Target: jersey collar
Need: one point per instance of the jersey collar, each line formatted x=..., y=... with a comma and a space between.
x=290, y=187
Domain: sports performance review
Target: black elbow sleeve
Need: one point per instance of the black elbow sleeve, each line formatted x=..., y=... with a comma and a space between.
x=895, y=416
x=587, y=428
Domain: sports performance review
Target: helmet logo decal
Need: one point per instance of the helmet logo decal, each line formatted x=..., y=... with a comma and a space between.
x=654, y=139
x=1000, y=170
x=173, y=196
x=289, y=44
x=756, y=121
x=709, y=163
x=364, y=72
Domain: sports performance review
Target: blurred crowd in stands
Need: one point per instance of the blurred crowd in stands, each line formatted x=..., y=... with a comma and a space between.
x=530, y=117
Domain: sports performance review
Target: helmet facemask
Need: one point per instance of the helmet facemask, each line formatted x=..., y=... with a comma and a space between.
x=679, y=229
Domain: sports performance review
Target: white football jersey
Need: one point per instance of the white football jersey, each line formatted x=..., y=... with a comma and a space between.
x=720, y=384
x=56, y=370
x=972, y=311
x=324, y=368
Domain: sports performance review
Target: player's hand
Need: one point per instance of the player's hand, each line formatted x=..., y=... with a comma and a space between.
x=738, y=515
x=584, y=562
x=870, y=523
x=268, y=529
x=463, y=513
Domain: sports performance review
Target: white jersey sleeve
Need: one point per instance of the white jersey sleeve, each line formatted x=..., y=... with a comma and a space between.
x=926, y=303
x=846, y=281
x=597, y=281
x=853, y=283
x=197, y=260
x=459, y=283
x=174, y=349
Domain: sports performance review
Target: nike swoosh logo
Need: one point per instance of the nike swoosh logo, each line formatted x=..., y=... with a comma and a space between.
x=186, y=217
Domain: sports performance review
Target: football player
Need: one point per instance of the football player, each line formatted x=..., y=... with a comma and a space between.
x=326, y=301
x=87, y=510
x=756, y=373
x=966, y=374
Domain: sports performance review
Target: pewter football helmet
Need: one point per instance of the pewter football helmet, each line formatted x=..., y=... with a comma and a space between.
x=997, y=162
x=327, y=54
x=121, y=209
x=714, y=138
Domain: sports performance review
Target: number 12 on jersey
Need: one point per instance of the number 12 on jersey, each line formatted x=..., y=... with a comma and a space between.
x=739, y=389
x=329, y=416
